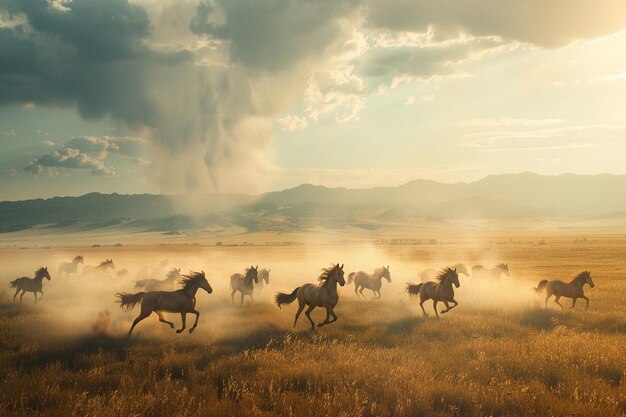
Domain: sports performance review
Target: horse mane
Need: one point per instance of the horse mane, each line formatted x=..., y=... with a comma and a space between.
x=192, y=279
x=579, y=277
x=172, y=273
x=326, y=273
x=40, y=272
x=441, y=275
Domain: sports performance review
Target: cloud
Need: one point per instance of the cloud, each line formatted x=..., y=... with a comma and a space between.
x=291, y=122
x=48, y=142
x=68, y=158
x=542, y=23
x=275, y=35
x=88, y=152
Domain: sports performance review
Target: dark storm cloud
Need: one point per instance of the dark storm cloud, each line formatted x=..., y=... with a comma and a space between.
x=91, y=54
x=274, y=35
x=552, y=23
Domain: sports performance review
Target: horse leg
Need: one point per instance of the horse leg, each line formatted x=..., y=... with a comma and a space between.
x=41, y=295
x=332, y=313
x=361, y=292
x=300, y=308
x=195, y=324
x=21, y=295
x=252, y=297
x=183, y=319
x=556, y=300
x=140, y=317
x=584, y=297
x=356, y=287
x=574, y=302
x=307, y=313
x=15, y=295
x=162, y=319
x=548, y=295
x=327, y=318
x=447, y=307
x=232, y=295
x=455, y=303
x=241, y=298
x=422, y=306
x=35, y=293
x=435, y=307
x=379, y=294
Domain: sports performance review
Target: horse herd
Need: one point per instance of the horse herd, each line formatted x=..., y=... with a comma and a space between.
x=159, y=297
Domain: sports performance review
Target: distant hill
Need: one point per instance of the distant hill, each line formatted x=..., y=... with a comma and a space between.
x=421, y=202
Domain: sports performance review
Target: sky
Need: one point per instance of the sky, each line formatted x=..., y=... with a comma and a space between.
x=182, y=96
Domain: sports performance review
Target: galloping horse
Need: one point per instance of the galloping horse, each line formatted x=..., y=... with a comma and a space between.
x=572, y=289
x=479, y=271
x=264, y=276
x=372, y=282
x=33, y=285
x=181, y=301
x=441, y=291
x=101, y=268
x=243, y=284
x=322, y=295
x=70, y=267
x=160, y=284
x=430, y=274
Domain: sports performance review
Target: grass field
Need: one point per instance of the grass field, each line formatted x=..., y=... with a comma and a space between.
x=498, y=354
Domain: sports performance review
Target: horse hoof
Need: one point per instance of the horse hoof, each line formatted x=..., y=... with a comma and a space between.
x=191, y=330
x=179, y=331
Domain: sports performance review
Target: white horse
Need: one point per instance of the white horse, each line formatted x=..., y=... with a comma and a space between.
x=70, y=267
x=243, y=283
x=372, y=282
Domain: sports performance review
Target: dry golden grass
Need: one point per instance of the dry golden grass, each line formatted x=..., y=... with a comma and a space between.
x=490, y=357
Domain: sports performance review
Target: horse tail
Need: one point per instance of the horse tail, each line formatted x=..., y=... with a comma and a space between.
x=413, y=289
x=541, y=286
x=129, y=301
x=14, y=283
x=281, y=298
x=351, y=277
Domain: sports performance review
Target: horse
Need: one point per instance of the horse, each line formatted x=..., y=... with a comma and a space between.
x=430, y=274
x=70, y=267
x=181, y=301
x=479, y=271
x=441, y=291
x=33, y=285
x=323, y=294
x=572, y=289
x=149, y=272
x=243, y=284
x=264, y=276
x=160, y=284
x=372, y=282
x=101, y=268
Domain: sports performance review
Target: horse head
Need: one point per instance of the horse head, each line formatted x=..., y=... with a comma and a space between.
x=338, y=275
x=386, y=274
x=504, y=268
x=79, y=259
x=204, y=284
x=43, y=273
x=265, y=275
x=253, y=273
x=454, y=277
x=588, y=279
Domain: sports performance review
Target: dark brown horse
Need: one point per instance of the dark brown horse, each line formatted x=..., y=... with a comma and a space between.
x=181, y=301
x=33, y=285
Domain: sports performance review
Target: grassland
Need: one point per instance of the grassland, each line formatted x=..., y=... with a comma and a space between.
x=498, y=354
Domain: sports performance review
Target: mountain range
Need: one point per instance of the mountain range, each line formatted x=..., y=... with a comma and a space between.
x=506, y=198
